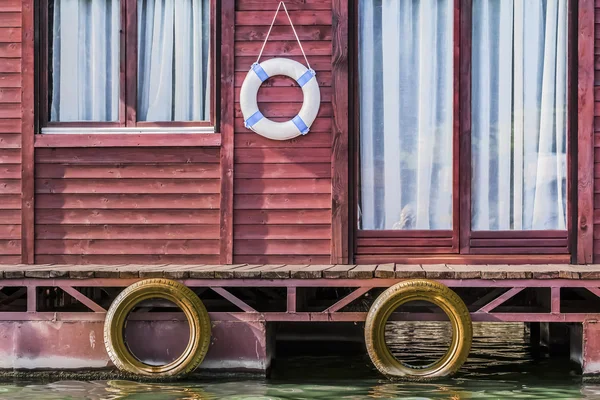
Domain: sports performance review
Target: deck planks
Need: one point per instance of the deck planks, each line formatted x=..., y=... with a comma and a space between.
x=301, y=271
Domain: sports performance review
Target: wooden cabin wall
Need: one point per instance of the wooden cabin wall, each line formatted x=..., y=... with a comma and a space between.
x=282, y=190
x=10, y=130
x=127, y=205
x=588, y=130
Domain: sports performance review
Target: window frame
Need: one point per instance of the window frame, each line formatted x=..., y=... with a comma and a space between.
x=128, y=57
x=462, y=242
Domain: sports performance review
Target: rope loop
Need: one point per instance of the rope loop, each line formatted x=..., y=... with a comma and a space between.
x=282, y=3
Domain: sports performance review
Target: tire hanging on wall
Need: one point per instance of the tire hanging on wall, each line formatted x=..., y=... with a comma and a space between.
x=418, y=290
x=180, y=295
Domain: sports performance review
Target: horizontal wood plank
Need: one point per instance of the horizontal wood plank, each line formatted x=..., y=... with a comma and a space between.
x=281, y=186
x=129, y=140
x=156, y=171
x=139, y=186
x=91, y=156
x=128, y=201
x=279, y=217
x=299, y=17
x=141, y=247
x=281, y=247
x=281, y=171
x=282, y=232
x=169, y=231
x=120, y=217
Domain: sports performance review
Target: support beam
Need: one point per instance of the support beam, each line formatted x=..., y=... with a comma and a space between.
x=555, y=300
x=291, y=300
x=16, y=295
x=500, y=300
x=236, y=301
x=226, y=10
x=31, y=299
x=27, y=134
x=77, y=295
x=347, y=300
x=585, y=131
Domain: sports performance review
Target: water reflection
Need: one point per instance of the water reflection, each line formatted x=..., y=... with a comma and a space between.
x=500, y=367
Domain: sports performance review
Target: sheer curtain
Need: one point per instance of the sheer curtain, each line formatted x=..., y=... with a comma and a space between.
x=519, y=109
x=85, y=60
x=173, y=60
x=406, y=92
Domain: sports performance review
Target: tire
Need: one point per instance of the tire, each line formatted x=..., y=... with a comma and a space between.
x=424, y=290
x=184, y=298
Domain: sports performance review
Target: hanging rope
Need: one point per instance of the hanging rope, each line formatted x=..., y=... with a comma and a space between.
x=293, y=28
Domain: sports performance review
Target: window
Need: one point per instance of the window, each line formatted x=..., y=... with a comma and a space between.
x=126, y=63
x=462, y=125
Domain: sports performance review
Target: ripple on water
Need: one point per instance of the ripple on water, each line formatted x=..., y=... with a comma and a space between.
x=499, y=367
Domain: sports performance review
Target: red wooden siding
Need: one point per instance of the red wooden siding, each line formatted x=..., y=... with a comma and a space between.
x=596, y=156
x=10, y=130
x=121, y=205
x=282, y=202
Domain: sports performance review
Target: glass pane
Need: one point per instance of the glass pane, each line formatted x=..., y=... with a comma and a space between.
x=519, y=108
x=173, y=60
x=406, y=106
x=84, y=60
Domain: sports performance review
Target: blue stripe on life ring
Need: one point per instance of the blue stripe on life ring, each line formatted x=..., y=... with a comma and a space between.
x=300, y=125
x=254, y=118
x=260, y=72
x=306, y=77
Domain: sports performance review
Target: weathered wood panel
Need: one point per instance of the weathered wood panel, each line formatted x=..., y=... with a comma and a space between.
x=11, y=111
x=588, y=108
x=154, y=205
x=283, y=189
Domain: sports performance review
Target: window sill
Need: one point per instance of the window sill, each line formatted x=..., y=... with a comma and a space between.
x=145, y=137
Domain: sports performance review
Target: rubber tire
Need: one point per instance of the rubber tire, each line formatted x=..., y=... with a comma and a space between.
x=184, y=298
x=411, y=290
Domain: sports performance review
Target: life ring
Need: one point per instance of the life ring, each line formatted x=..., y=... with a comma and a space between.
x=418, y=290
x=300, y=124
x=181, y=296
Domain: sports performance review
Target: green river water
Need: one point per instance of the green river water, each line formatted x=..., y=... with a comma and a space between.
x=500, y=367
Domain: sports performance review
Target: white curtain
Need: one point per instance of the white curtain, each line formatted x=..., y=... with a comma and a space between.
x=173, y=60
x=406, y=97
x=519, y=109
x=85, y=60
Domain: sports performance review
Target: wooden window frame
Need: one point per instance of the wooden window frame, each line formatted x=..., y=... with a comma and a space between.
x=462, y=244
x=128, y=54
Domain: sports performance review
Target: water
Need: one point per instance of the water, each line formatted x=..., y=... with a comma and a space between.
x=500, y=367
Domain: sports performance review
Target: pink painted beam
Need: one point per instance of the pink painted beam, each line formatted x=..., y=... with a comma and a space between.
x=347, y=300
x=372, y=283
x=555, y=300
x=291, y=299
x=302, y=317
x=594, y=290
x=77, y=295
x=233, y=299
x=31, y=299
x=500, y=300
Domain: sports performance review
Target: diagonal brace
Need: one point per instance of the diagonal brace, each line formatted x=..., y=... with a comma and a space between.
x=76, y=294
x=500, y=300
x=233, y=299
x=347, y=300
x=15, y=296
x=594, y=290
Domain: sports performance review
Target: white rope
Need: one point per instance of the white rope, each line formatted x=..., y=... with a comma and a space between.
x=293, y=28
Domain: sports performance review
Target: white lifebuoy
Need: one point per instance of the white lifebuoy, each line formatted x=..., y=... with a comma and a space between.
x=300, y=124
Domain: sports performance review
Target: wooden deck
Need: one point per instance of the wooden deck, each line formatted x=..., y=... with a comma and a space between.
x=274, y=271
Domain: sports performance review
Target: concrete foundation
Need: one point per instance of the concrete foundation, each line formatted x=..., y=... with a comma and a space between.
x=585, y=347
x=235, y=346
